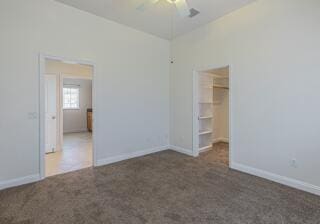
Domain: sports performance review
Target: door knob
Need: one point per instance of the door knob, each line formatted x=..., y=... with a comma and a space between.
x=53, y=117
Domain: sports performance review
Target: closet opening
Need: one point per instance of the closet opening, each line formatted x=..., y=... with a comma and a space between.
x=211, y=115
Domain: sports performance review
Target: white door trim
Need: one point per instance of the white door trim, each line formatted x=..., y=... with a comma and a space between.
x=195, y=112
x=68, y=76
x=42, y=60
x=195, y=121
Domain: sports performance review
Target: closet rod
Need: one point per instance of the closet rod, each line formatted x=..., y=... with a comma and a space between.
x=71, y=85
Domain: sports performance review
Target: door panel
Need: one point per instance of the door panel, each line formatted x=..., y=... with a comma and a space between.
x=51, y=112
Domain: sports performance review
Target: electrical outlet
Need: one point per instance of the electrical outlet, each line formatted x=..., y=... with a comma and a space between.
x=294, y=163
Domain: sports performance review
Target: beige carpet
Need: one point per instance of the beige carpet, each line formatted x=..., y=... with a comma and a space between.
x=163, y=188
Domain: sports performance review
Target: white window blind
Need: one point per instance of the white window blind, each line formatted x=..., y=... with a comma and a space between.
x=71, y=97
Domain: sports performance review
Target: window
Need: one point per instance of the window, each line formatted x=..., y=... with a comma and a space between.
x=71, y=98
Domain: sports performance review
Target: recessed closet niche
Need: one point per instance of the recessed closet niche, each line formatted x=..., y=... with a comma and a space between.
x=213, y=100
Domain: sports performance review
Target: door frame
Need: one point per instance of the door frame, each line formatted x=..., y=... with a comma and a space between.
x=42, y=66
x=195, y=113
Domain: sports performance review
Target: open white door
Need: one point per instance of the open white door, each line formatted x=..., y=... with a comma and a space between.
x=50, y=113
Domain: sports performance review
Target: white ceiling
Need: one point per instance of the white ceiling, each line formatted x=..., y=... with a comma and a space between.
x=157, y=19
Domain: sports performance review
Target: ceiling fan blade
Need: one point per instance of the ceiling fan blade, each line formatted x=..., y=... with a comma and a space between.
x=146, y=4
x=183, y=8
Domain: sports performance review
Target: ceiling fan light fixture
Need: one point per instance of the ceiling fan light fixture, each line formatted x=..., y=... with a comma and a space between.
x=181, y=6
x=172, y=1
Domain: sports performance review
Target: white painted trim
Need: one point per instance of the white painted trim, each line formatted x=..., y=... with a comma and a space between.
x=205, y=149
x=131, y=155
x=231, y=147
x=69, y=76
x=19, y=181
x=195, y=112
x=277, y=178
x=42, y=59
x=61, y=109
x=182, y=150
x=42, y=147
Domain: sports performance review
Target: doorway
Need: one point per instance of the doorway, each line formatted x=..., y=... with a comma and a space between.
x=66, y=114
x=211, y=115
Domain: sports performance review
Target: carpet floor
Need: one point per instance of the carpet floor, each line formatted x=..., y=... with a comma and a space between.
x=162, y=188
x=218, y=154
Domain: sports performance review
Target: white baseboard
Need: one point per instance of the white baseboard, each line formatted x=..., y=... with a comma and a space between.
x=19, y=181
x=114, y=159
x=181, y=150
x=216, y=140
x=277, y=178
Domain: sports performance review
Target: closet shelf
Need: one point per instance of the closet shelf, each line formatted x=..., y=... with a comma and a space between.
x=220, y=87
x=205, y=132
x=207, y=87
x=205, y=148
x=205, y=117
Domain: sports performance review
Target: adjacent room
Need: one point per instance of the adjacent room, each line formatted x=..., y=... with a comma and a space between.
x=68, y=116
x=159, y=111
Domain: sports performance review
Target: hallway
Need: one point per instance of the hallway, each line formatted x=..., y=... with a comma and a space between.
x=76, y=154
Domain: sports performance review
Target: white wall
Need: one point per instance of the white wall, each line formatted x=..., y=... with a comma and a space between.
x=132, y=81
x=220, y=115
x=57, y=67
x=224, y=116
x=76, y=120
x=221, y=108
x=272, y=47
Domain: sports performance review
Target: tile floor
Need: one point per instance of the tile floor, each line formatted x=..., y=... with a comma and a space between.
x=76, y=154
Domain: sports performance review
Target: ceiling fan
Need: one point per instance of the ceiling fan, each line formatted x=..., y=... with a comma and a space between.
x=181, y=5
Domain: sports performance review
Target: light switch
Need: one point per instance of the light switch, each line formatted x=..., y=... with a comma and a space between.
x=32, y=115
